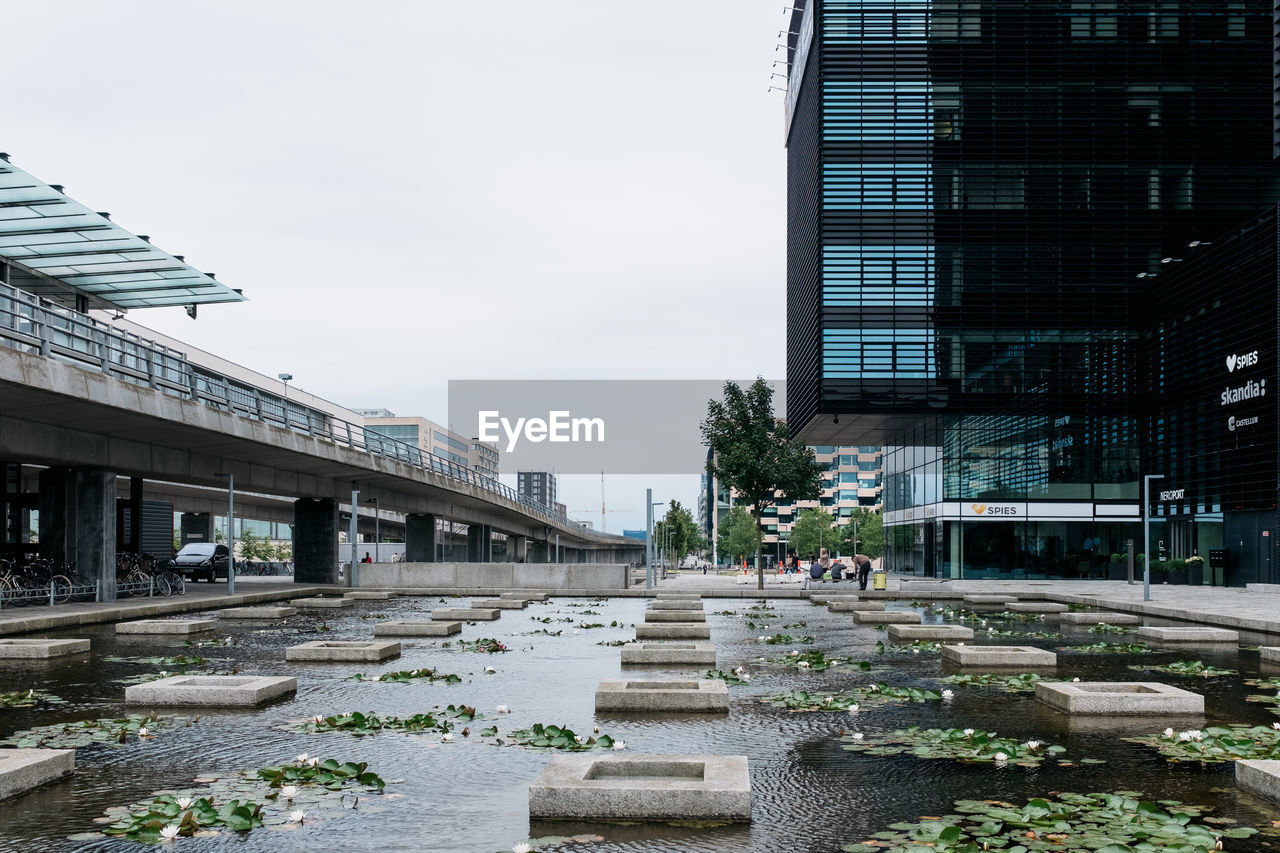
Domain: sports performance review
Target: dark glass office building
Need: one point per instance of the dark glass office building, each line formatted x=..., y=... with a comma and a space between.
x=974, y=188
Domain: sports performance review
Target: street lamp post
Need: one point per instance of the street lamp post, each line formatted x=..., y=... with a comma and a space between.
x=1146, y=534
x=231, y=533
x=377, y=529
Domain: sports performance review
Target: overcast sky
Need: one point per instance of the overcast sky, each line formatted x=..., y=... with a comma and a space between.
x=412, y=191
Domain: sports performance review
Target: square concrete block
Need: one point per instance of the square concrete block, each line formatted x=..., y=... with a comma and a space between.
x=1036, y=607
x=28, y=649
x=1188, y=635
x=24, y=769
x=1093, y=618
x=886, y=617
x=707, y=695
x=166, y=626
x=498, y=604
x=1261, y=778
x=325, y=602
x=679, y=596
x=643, y=787
x=675, y=616
x=1000, y=657
x=211, y=690
x=526, y=596
x=676, y=604
x=1118, y=698
x=338, y=650
x=416, y=629
x=836, y=605
x=474, y=614
x=258, y=612
x=989, y=598
x=371, y=595
x=669, y=654
x=674, y=631
x=828, y=597
x=951, y=633
x=1269, y=654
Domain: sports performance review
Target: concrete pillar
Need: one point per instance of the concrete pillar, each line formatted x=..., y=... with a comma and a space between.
x=195, y=527
x=135, y=514
x=516, y=547
x=479, y=543
x=419, y=538
x=78, y=523
x=315, y=540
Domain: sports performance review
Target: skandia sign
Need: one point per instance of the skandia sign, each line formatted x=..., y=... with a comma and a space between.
x=1247, y=391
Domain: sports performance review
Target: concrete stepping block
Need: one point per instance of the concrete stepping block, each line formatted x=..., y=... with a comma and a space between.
x=1170, y=636
x=930, y=632
x=323, y=602
x=474, y=614
x=27, y=649
x=669, y=654
x=1000, y=657
x=1269, y=654
x=676, y=604
x=1118, y=698
x=643, y=787
x=1259, y=777
x=498, y=604
x=886, y=617
x=211, y=690
x=1036, y=607
x=675, y=616
x=1098, y=616
x=258, y=613
x=24, y=769
x=166, y=626
x=704, y=695
x=836, y=605
x=828, y=597
x=989, y=598
x=526, y=596
x=339, y=650
x=673, y=631
x=371, y=595
x=416, y=629
x=679, y=596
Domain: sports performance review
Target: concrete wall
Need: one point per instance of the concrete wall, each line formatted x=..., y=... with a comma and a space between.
x=496, y=575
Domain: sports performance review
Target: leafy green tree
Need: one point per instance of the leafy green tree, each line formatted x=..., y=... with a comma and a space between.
x=868, y=526
x=676, y=533
x=737, y=536
x=754, y=454
x=814, y=529
x=283, y=551
x=254, y=547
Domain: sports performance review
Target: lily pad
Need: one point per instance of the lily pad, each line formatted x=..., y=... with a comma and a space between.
x=967, y=745
x=1187, y=667
x=408, y=676
x=84, y=733
x=1215, y=744
x=360, y=724
x=540, y=736
x=1022, y=683
x=31, y=698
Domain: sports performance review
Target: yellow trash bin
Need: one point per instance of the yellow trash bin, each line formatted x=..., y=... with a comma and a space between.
x=880, y=579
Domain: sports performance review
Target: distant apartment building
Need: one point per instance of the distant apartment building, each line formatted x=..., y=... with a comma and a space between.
x=429, y=436
x=484, y=457
x=538, y=486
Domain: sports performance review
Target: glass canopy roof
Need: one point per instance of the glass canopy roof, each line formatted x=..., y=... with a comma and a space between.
x=65, y=252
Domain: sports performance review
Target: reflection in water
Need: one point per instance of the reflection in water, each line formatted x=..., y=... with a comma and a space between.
x=809, y=793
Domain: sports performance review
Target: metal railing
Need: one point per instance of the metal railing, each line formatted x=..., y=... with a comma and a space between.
x=33, y=325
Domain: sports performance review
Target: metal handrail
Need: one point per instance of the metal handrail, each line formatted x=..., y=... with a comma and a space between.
x=34, y=325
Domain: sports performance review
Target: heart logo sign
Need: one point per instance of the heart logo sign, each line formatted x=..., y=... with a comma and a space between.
x=978, y=509
x=1231, y=363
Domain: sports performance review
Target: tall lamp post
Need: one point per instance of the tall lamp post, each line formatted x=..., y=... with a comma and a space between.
x=1146, y=534
x=377, y=529
x=231, y=533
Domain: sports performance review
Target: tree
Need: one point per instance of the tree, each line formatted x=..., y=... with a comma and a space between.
x=814, y=529
x=676, y=533
x=752, y=453
x=868, y=526
x=737, y=536
x=253, y=547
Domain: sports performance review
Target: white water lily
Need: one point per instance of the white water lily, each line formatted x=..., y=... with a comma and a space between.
x=184, y=802
x=619, y=744
x=745, y=677
x=289, y=791
x=164, y=673
x=447, y=736
x=828, y=698
x=853, y=709
x=317, y=719
x=857, y=735
x=1169, y=733
x=1276, y=726
x=1000, y=756
x=1075, y=680
x=301, y=759
x=169, y=832
x=521, y=847
x=1196, y=734
x=142, y=732
x=503, y=709
x=968, y=732
x=377, y=678
x=489, y=669
x=804, y=664
x=948, y=695
x=1032, y=745
x=762, y=638
x=297, y=815
x=578, y=738
x=313, y=762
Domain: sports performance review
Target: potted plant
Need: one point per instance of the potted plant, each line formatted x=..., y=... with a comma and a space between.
x=1175, y=572
x=1118, y=569
x=1195, y=570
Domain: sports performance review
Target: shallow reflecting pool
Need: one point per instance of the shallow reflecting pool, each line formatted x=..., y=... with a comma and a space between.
x=810, y=794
